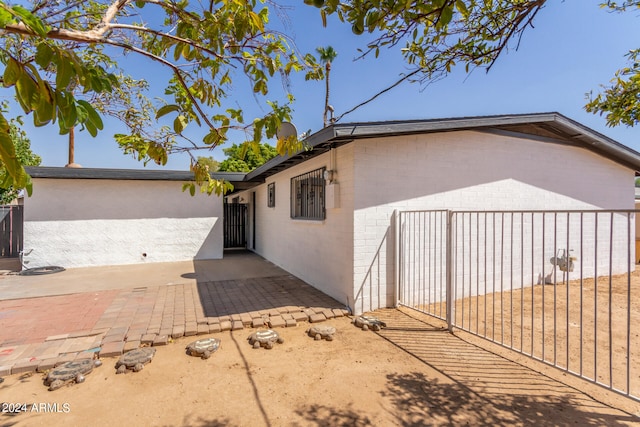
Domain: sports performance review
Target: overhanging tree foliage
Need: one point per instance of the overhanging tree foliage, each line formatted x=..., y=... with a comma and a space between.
x=24, y=154
x=206, y=46
x=201, y=44
x=620, y=101
x=435, y=36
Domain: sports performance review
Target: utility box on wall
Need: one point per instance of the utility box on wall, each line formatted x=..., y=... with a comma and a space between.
x=333, y=196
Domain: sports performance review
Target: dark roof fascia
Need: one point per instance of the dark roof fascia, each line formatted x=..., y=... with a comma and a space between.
x=229, y=176
x=408, y=127
x=124, y=174
x=600, y=143
x=566, y=128
x=315, y=145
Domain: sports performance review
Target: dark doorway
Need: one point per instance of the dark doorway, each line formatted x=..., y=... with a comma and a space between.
x=235, y=225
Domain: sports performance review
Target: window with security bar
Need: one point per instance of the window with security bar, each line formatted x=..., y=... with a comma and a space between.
x=271, y=195
x=307, y=195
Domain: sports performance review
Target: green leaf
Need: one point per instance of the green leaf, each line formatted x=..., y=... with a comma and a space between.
x=178, y=51
x=462, y=8
x=66, y=111
x=5, y=18
x=64, y=72
x=44, y=55
x=212, y=138
x=166, y=109
x=44, y=112
x=30, y=20
x=92, y=114
x=93, y=118
x=27, y=92
x=29, y=186
x=179, y=123
x=445, y=16
x=12, y=73
x=16, y=175
x=93, y=131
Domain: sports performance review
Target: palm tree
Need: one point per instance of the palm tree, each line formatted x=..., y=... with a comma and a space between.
x=327, y=54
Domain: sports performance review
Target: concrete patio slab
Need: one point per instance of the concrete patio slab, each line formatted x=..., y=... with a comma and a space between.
x=234, y=266
x=46, y=320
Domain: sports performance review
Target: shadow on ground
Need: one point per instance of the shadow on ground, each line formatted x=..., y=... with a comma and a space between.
x=418, y=400
x=203, y=422
x=481, y=388
x=326, y=416
x=244, y=282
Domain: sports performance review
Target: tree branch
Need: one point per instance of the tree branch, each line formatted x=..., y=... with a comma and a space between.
x=175, y=70
x=168, y=36
x=55, y=33
x=109, y=16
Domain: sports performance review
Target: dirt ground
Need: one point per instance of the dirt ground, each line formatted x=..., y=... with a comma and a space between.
x=412, y=373
x=560, y=324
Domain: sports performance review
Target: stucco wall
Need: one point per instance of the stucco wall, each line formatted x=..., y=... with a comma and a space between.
x=90, y=222
x=318, y=252
x=465, y=171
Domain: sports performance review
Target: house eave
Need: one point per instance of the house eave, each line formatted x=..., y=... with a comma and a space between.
x=236, y=178
x=553, y=125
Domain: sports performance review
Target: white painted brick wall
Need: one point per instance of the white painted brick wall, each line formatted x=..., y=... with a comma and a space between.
x=318, y=252
x=464, y=171
x=87, y=222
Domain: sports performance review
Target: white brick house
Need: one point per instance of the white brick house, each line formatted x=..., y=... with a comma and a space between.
x=515, y=162
x=338, y=231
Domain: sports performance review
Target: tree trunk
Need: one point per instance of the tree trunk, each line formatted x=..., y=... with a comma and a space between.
x=72, y=141
x=72, y=149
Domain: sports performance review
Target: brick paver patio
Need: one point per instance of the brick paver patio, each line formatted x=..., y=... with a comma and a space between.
x=39, y=333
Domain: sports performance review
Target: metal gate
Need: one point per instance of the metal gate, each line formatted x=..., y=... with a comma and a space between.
x=235, y=225
x=11, y=230
x=561, y=287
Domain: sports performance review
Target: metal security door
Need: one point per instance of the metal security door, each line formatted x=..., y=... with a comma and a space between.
x=235, y=225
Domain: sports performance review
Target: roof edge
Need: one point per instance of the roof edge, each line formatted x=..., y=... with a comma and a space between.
x=57, y=172
x=344, y=133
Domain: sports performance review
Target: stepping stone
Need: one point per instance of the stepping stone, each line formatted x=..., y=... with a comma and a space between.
x=70, y=372
x=135, y=360
x=265, y=338
x=321, y=332
x=203, y=348
x=369, y=322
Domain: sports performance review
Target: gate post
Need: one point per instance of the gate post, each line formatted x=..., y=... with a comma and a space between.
x=449, y=292
x=396, y=256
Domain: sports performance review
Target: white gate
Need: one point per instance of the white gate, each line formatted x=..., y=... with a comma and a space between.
x=558, y=286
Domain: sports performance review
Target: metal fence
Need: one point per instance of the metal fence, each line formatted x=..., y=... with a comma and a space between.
x=11, y=231
x=558, y=286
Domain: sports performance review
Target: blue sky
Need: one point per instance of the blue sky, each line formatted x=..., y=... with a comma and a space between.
x=575, y=47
